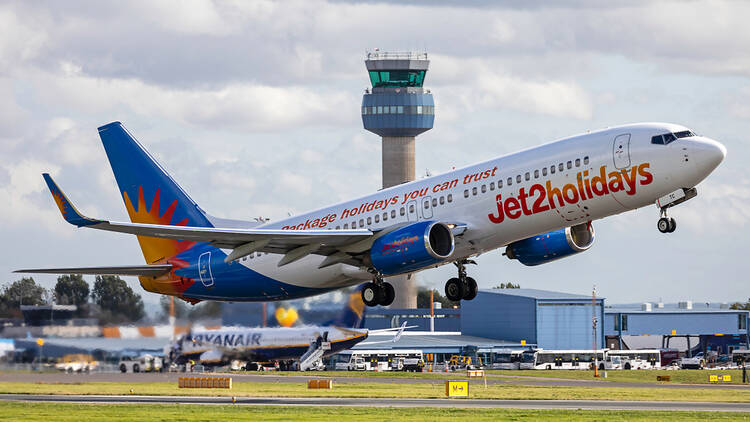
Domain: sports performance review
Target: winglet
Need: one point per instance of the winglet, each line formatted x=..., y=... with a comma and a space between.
x=68, y=211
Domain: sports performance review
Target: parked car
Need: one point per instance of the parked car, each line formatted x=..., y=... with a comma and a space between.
x=145, y=363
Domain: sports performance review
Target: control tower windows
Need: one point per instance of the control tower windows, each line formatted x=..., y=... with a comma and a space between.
x=398, y=78
x=419, y=109
x=400, y=109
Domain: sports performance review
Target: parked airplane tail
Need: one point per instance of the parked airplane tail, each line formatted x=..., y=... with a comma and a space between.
x=151, y=196
x=353, y=315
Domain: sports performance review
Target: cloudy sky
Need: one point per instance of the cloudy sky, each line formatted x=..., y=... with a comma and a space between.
x=254, y=108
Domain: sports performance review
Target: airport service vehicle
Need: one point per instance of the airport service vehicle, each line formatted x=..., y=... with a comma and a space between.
x=740, y=356
x=562, y=359
x=145, y=363
x=77, y=363
x=381, y=360
x=695, y=362
x=305, y=344
x=638, y=359
x=539, y=204
x=506, y=359
x=464, y=362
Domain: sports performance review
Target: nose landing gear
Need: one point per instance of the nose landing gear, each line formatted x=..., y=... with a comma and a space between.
x=666, y=225
x=463, y=287
x=378, y=292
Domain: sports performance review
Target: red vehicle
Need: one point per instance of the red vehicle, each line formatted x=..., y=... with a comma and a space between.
x=668, y=356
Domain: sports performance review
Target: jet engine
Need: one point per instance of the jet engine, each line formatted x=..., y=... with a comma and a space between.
x=551, y=246
x=412, y=247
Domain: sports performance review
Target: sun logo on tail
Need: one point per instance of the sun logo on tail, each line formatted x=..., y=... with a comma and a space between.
x=60, y=201
x=156, y=249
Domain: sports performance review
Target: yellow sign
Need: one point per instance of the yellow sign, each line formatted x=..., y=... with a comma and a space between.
x=523, y=342
x=713, y=378
x=674, y=332
x=40, y=342
x=726, y=378
x=457, y=388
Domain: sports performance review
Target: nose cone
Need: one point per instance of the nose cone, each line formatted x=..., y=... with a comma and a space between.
x=710, y=154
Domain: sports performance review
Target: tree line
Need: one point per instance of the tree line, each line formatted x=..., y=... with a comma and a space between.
x=110, y=300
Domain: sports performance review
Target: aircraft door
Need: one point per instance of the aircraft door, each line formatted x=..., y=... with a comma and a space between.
x=411, y=210
x=426, y=207
x=204, y=269
x=621, y=151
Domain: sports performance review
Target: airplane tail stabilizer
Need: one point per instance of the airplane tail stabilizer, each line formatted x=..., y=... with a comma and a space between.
x=150, y=194
x=353, y=314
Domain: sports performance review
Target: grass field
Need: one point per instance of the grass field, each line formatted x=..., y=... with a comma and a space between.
x=375, y=390
x=76, y=412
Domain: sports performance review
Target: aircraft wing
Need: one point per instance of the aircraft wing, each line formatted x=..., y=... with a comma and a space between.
x=127, y=270
x=243, y=241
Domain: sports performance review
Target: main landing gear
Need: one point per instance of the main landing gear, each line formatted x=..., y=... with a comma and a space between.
x=378, y=292
x=462, y=287
x=666, y=224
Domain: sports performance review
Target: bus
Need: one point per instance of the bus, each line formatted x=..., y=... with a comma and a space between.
x=506, y=359
x=740, y=356
x=560, y=359
x=637, y=359
x=379, y=360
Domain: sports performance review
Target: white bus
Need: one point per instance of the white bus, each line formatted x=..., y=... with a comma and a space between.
x=560, y=359
x=380, y=360
x=506, y=359
x=637, y=359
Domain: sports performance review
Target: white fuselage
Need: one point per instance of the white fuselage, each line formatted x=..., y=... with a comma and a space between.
x=513, y=197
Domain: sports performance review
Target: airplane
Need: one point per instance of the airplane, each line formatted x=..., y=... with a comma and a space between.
x=306, y=344
x=538, y=203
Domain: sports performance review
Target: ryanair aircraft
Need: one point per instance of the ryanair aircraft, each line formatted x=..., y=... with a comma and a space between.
x=539, y=204
x=306, y=344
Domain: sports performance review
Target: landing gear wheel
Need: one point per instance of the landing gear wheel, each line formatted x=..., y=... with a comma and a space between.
x=371, y=294
x=454, y=290
x=663, y=225
x=672, y=225
x=471, y=288
x=388, y=294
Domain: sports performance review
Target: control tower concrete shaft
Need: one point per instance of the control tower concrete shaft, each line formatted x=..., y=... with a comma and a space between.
x=397, y=108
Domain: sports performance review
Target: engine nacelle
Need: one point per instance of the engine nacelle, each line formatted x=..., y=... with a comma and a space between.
x=411, y=248
x=553, y=245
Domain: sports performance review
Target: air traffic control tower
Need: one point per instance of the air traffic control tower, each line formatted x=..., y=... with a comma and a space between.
x=397, y=108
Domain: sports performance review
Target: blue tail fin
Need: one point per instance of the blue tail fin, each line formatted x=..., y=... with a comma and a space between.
x=151, y=196
x=353, y=314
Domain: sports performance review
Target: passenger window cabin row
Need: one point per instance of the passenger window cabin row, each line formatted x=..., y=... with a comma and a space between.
x=527, y=176
x=368, y=221
x=443, y=199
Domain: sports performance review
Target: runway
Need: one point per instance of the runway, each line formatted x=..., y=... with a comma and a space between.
x=368, y=402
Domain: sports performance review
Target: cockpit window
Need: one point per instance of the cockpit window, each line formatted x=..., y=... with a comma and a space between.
x=669, y=137
x=684, y=134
